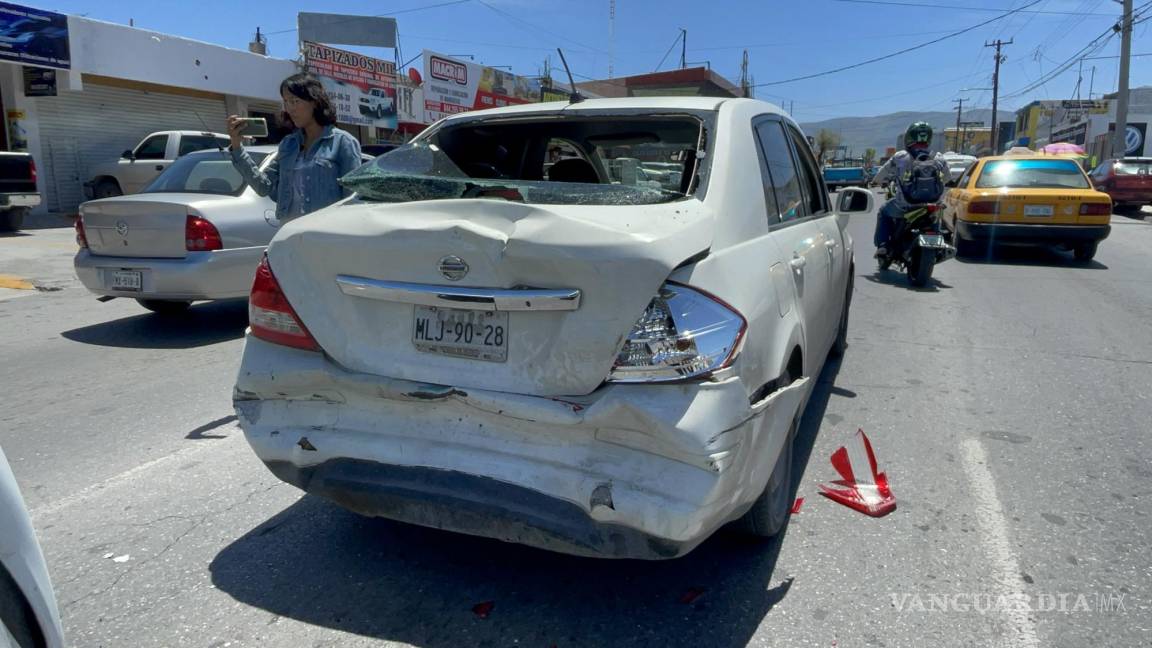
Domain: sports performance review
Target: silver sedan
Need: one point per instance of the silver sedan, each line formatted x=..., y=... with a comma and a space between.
x=196, y=233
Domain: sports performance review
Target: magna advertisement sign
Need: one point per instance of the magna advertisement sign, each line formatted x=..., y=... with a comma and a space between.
x=362, y=88
x=452, y=86
x=34, y=37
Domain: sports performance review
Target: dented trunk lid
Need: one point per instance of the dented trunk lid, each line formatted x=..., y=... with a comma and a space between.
x=615, y=256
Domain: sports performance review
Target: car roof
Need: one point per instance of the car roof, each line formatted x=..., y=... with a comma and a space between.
x=994, y=158
x=188, y=132
x=623, y=103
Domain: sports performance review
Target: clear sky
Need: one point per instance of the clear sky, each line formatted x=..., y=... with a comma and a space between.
x=784, y=38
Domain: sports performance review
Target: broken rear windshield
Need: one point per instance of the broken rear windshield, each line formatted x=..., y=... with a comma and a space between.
x=552, y=160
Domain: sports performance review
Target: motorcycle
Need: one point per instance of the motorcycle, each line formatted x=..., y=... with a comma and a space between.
x=918, y=244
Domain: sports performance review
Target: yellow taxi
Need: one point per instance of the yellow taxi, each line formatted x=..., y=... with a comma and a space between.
x=1030, y=199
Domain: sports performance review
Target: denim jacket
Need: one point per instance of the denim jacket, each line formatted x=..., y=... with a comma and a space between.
x=334, y=155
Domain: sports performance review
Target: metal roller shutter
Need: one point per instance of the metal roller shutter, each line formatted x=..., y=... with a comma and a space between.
x=81, y=129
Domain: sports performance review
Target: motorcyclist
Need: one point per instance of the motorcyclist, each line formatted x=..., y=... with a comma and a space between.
x=917, y=146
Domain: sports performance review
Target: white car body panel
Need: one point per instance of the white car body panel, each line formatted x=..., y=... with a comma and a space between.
x=21, y=558
x=541, y=452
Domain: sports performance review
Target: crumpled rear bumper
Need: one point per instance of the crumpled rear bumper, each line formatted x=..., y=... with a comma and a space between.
x=630, y=471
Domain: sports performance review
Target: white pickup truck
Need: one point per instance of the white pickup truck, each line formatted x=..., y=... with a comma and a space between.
x=140, y=165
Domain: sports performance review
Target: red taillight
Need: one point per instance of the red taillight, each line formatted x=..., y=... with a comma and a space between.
x=201, y=235
x=984, y=207
x=81, y=237
x=932, y=208
x=1095, y=209
x=272, y=317
x=32, y=169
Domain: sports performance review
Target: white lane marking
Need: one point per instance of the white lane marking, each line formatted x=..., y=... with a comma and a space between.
x=130, y=475
x=990, y=517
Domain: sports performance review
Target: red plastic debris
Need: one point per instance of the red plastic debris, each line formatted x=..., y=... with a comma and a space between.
x=482, y=610
x=863, y=486
x=692, y=594
x=797, y=504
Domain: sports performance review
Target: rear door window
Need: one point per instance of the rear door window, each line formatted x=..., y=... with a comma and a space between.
x=809, y=177
x=789, y=198
x=152, y=148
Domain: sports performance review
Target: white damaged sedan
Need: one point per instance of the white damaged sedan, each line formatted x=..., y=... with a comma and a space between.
x=565, y=354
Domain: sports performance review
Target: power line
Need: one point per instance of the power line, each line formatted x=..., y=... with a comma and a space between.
x=670, y=48
x=387, y=15
x=963, y=8
x=1092, y=47
x=903, y=51
x=530, y=26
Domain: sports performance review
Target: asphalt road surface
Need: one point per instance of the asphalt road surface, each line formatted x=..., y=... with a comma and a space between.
x=1008, y=403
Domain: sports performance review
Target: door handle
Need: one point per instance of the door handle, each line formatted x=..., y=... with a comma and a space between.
x=798, y=262
x=831, y=245
x=159, y=167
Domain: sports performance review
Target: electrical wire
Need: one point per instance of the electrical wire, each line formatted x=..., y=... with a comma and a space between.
x=898, y=53
x=670, y=48
x=387, y=15
x=965, y=8
x=524, y=24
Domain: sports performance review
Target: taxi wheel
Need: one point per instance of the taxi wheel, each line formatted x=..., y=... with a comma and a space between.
x=1084, y=252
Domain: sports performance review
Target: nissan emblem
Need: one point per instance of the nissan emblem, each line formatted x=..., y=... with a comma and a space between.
x=122, y=228
x=453, y=268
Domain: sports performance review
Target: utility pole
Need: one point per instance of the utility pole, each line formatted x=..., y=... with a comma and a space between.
x=611, y=35
x=995, y=139
x=1119, y=143
x=1092, y=82
x=959, y=109
x=744, y=76
x=683, y=48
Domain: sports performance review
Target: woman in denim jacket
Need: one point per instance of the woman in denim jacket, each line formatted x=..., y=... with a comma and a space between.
x=303, y=176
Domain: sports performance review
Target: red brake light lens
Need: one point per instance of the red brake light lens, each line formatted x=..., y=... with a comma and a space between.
x=984, y=207
x=81, y=236
x=201, y=235
x=32, y=168
x=272, y=317
x=1095, y=209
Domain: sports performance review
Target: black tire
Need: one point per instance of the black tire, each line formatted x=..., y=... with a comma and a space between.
x=107, y=188
x=16, y=615
x=165, y=306
x=920, y=269
x=840, y=345
x=12, y=219
x=1084, y=252
x=770, y=511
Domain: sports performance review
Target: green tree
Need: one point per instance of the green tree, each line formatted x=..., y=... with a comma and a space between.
x=870, y=155
x=826, y=141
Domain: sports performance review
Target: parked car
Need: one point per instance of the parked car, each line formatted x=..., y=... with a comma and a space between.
x=28, y=613
x=18, y=192
x=1030, y=199
x=377, y=103
x=1127, y=181
x=197, y=232
x=139, y=166
x=589, y=367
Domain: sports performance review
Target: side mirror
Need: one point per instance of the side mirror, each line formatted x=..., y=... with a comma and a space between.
x=127, y=155
x=855, y=200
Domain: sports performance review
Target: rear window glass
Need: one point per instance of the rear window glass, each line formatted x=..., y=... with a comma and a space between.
x=1142, y=167
x=547, y=160
x=1052, y=174
x=207, y=173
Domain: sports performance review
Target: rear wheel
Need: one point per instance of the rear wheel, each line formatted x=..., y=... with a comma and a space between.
x=770, y=512
x=18, y=625
x=920, y=269
x=1084, y=252
x=165, y=306
x=107, y=188
x=12, y=219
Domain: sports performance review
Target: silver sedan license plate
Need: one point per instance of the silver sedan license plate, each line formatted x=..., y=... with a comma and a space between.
x=127, y=280
x=479, y=335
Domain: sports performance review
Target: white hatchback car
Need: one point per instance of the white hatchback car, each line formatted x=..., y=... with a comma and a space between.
x=575, y=363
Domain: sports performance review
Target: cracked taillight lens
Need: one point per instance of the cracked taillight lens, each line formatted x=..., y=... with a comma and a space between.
x=683, y=333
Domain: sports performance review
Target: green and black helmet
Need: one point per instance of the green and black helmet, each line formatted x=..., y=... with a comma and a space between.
x=918, y=133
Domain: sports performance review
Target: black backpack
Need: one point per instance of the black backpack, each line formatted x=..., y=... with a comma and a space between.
x=923, y=182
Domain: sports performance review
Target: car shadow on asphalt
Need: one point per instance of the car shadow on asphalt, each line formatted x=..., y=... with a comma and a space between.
x=200, y=325
x=322, y=565
x=899, y=279
x=1019, y=255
